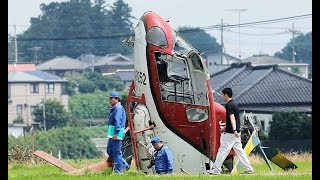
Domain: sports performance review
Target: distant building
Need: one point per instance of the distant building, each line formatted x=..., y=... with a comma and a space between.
x=26, y=90
x=89, y=58
x=61, y=64
x=123, y=75
x=264, y=90
x=21, y=67
x=264, y=59
x=214, y=62
x=113, y=62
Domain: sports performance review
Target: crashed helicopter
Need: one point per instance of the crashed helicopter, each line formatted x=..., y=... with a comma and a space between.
x=171, y=97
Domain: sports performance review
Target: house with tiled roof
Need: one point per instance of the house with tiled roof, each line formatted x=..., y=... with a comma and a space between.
x=123, y=75
x=21, y=67
x=113, y=62
x=265, y=59
x=263, y=90
x=61, y=64
x=26, y=90
x=217, y=61
x=89, y=58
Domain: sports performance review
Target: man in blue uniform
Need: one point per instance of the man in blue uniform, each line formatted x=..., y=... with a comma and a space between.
x=162, y=157
x=117, y=118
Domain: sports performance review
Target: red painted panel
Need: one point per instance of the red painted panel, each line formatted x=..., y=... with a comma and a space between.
x=204, y=136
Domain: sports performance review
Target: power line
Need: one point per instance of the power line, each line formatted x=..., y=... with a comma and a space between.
x=270, y=34
x=213, y=27
x=272, y=20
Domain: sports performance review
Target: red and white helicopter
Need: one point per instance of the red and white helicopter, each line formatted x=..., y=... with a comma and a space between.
x=171, y=97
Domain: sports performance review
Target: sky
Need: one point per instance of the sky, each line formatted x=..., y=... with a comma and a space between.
x=258, y=39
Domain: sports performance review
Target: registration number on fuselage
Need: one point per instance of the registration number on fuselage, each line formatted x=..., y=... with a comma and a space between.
x=140, y=77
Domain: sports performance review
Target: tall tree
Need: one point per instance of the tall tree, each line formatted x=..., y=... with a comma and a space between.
x=120, y=15
x=11, y=50
x=290, y=125
x=302, y=47
x=199, y=39
x=55, y=114
x=73, y=28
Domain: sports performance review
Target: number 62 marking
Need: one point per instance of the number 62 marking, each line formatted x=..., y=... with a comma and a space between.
x=141, y=77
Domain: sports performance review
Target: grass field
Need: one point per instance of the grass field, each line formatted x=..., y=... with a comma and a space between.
x=48, y=171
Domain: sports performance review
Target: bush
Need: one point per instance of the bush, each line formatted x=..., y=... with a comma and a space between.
x=290, y=125
x=86, y=86
x=19, y=149
x=89, y=106
x=96, y=131
x=73, y=142
x=18, y=120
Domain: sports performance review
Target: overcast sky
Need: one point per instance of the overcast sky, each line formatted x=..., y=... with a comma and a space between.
x=267, y=38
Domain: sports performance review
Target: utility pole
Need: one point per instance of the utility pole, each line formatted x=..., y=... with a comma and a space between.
x=44, y=115
x=239, y=13
x=15, y=43
x=35, y=53
x=92, y=62
x=293, y=31
x=293, y=52
x=221, y=41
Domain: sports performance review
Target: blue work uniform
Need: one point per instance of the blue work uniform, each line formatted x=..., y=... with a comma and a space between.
x=163, y=160
x=117, y=118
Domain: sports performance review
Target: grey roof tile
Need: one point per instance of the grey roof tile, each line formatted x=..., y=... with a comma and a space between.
x=125, y=75
x=265, y=60
x=33, y=76
x=114, y=59
x=63, y=63
x=264, y=85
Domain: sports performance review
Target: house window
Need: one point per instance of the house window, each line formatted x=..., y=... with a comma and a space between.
x=19, y=109
x=34, y=88
x=32, y=108
x=63, y=89
x=50, y=88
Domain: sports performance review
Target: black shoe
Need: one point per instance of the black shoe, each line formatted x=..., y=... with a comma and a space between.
x=127, y=168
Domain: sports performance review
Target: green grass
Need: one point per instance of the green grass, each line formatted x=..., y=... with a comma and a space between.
x=48, y=171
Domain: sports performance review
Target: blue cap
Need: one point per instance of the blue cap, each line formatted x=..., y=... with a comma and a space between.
x=155, y=140
x=114, y=94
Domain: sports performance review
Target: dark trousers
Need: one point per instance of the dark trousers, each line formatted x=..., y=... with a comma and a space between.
x=114, y=151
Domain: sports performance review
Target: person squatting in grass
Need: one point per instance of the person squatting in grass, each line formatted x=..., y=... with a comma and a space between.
x=162, y=157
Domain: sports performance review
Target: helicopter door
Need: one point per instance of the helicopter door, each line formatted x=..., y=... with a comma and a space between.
x=174, y=79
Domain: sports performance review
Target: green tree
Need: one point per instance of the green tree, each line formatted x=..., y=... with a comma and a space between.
x=73, y=78
x=73, y=28
x=120, y=15
x=89, y=106
x=11, y=50
x=302, y=47
x=200, y=40
x=290, y=125
x=97, y=79
x=86, y=86
x=55, y=114
x=112, y=84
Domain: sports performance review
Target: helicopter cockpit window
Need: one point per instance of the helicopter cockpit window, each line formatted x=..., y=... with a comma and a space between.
x=156, y=36
x=196, y=61
x=173, y=77
x=197, y=114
